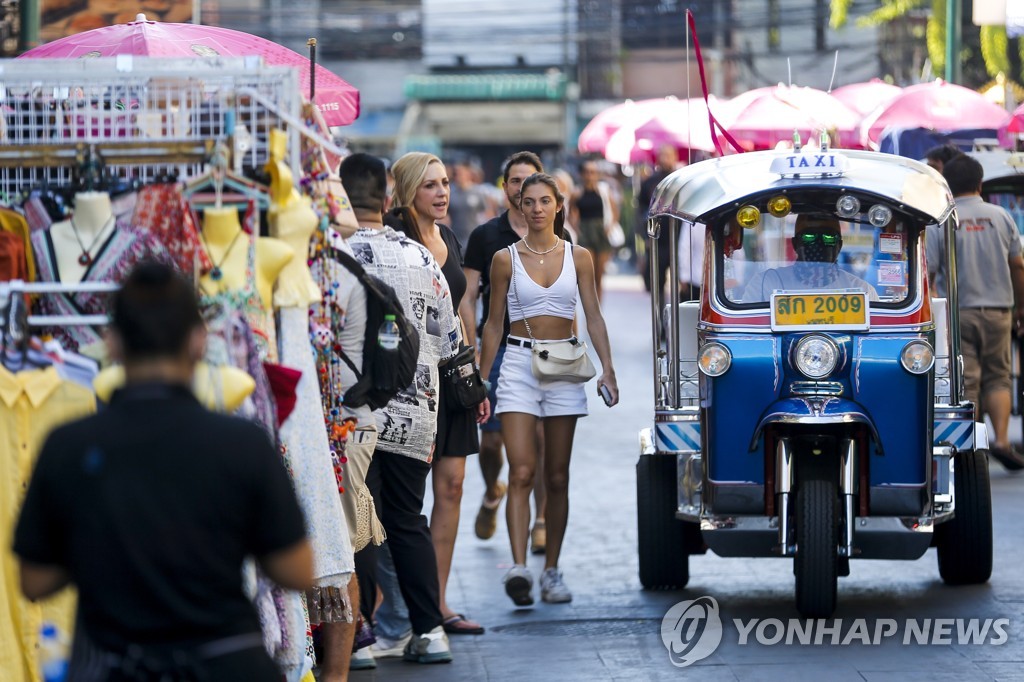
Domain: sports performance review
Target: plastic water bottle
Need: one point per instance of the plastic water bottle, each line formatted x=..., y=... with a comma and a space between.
x=53, y=654
x=388, y=336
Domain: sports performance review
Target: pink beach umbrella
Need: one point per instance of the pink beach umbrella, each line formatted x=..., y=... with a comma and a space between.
x=937, y=105
x=337, y=100
x=868, y=96
x=595, y=136
x=766, y=116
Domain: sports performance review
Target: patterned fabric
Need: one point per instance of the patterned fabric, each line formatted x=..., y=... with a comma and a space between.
x=247, y=300
x=305, y=436
x=116, y=257
x=408, y=424
x=162, y=211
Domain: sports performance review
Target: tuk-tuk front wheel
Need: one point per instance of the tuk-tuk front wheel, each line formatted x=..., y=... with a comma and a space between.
x=964, y=543
x=816, y=563
x=665, y=542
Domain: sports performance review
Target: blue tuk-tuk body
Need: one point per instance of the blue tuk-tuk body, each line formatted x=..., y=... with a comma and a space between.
x=809, y=407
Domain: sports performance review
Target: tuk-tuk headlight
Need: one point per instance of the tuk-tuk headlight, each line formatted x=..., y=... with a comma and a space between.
x=714, y=359
x=917, y=357
x=815, y=356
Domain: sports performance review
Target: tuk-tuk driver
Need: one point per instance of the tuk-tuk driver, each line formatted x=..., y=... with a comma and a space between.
x=817, y=243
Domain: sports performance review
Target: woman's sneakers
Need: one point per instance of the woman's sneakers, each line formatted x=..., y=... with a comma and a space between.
x=519, y=585
x=552, y=587
x=429, y=648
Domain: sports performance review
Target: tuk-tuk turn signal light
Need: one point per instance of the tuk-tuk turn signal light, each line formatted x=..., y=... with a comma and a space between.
x=879, y=215
x=847, y=206
x=780, y=206
x=917, y=357
x=748, y=217
x=815, y=356
x=714, y=359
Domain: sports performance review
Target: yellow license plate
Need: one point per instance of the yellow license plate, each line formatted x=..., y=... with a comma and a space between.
x=820, y=310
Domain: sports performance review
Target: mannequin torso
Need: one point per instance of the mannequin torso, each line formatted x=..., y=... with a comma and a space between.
x=293, y=221
x=76, y=242
x=228, y=247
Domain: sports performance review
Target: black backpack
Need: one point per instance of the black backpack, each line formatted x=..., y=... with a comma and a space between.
x=385, y=373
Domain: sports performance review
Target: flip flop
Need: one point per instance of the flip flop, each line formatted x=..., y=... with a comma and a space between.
x=458, y=625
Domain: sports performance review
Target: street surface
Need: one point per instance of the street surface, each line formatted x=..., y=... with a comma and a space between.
x=611, y=630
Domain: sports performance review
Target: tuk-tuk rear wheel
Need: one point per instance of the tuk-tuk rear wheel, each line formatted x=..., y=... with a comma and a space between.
x=665, y=542
x=964, y=543
x=817, y=539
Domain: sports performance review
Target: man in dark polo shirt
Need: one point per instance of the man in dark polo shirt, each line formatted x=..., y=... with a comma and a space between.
x=151, y=506
x=485, y=241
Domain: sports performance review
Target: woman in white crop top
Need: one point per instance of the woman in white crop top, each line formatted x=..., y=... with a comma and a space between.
x=539, y=279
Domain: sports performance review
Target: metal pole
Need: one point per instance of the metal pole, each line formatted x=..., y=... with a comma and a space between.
x=674, y=364
x=955, y=379
x=311, y=44
x=658, y=331
x=29, y=37
x=953, y=21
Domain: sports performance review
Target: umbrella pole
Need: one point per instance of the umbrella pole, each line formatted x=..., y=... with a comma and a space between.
x=311, y=44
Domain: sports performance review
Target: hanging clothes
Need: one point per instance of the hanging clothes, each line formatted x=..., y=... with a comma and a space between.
x=161, y=210
x=123, y=249
x=14, y=223
x=32, y=403
x=13, y=264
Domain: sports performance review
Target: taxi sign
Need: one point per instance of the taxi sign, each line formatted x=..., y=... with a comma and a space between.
x=811, y=164
x=820, y=311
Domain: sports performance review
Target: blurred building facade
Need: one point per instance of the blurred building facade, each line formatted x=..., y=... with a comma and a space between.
x=487, y=76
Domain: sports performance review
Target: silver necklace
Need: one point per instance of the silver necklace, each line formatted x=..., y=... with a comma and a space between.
x=86, y=258
x=541, y=253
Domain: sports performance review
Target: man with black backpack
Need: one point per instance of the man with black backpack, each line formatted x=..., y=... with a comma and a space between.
x=407, y=424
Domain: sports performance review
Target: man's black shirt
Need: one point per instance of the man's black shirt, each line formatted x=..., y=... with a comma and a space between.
x=152, y=505
x=485, y=241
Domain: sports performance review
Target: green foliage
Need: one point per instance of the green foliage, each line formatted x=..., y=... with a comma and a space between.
x=889, y=11
x=936, y=36
x=994, y=50
x=838, y=12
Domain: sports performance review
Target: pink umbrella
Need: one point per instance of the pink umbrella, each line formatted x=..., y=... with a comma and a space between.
x=631, y=132
x=680, y=123
x=766, y=116
x=868, y=96
x=938, y=105
x=336, y=99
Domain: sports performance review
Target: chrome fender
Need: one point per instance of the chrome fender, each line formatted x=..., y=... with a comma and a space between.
x=814, y=410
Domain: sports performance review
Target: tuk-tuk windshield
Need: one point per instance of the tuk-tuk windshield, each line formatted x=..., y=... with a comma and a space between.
x=812, y=252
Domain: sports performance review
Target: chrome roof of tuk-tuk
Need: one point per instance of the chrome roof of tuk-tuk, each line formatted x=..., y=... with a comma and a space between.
x=700, y=190
x=1000, y=164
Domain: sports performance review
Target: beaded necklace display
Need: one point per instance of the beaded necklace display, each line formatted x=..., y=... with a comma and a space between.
x=86, y=258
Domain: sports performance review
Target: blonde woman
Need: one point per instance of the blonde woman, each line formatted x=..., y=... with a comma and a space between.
x=421, y=199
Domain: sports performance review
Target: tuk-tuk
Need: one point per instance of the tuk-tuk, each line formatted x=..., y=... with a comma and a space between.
x=810, y=404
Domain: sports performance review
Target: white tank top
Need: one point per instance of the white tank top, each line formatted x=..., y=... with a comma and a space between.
x=557, y=300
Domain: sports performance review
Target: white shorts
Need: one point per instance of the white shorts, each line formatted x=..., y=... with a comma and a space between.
x=520, y=391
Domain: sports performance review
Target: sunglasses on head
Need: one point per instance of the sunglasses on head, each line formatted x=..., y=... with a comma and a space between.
x=826, y=238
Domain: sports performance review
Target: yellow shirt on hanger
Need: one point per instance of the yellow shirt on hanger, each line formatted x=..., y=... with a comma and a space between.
x=32, y=403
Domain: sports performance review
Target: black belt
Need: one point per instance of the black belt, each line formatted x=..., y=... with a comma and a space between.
x=527, y=343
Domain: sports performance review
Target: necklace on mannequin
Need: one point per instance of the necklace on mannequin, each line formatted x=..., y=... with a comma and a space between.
x=86, y=258
x=216, y=274
x=541, y=253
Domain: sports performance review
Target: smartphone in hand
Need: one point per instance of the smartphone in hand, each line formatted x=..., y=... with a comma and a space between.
x=605, y=394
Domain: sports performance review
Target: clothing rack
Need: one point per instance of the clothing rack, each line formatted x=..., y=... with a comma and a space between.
x=15, y=287
x=119, y=152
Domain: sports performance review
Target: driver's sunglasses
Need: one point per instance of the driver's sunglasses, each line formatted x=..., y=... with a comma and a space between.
x=826, y=238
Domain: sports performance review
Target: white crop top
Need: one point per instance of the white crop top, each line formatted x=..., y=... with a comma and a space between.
x=557, y=300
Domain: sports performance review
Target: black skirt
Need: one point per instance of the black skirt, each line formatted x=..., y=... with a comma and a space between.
x=457, y=434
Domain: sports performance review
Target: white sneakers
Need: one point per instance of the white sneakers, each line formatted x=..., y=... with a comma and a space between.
x=389, y=648
x=431, y=647
x=519, y=585
x=362, y=659
x=552, y=587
